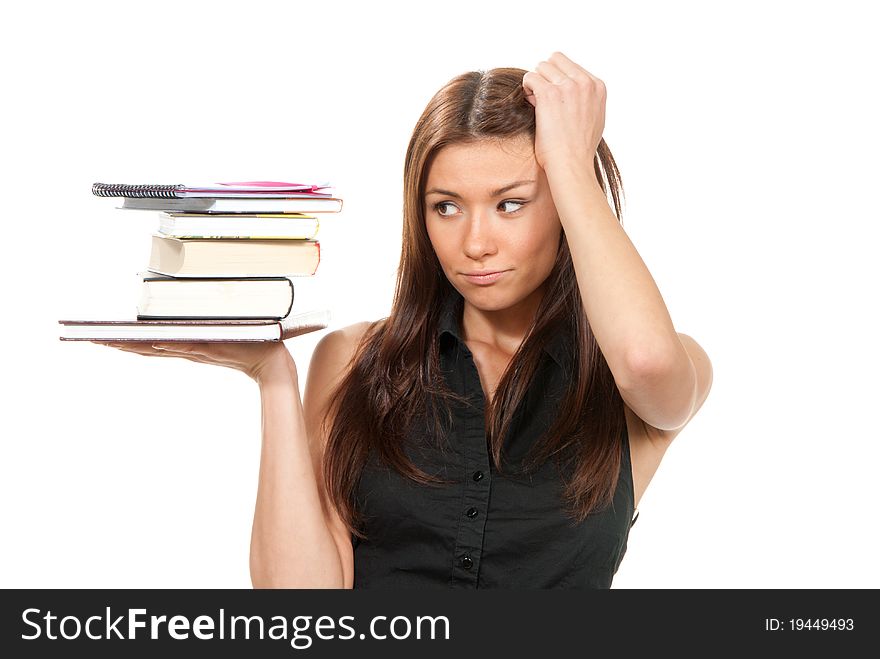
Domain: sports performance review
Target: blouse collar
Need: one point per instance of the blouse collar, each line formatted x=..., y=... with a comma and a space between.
x=560, y=347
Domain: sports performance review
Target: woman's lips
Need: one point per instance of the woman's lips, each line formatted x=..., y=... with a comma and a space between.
x=485, y=280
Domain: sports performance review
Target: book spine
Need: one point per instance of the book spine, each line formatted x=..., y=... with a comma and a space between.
x=292, y=296
x=136, y=191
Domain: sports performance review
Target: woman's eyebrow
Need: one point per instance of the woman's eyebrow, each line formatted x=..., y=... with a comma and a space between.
x=495, y=193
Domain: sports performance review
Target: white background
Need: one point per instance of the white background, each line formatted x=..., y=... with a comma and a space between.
x=747, y=138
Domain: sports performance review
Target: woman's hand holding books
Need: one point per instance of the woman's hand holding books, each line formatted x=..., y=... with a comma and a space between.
x=259, y=361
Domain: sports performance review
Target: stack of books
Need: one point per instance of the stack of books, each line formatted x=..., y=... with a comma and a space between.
x=223, y=264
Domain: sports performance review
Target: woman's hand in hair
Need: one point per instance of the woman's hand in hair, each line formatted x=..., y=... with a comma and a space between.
x=256, y=360
x=569, y=113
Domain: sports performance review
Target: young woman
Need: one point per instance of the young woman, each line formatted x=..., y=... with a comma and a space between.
x=499, y=427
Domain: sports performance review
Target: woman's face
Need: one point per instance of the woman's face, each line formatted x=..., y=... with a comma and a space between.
x=488, y=209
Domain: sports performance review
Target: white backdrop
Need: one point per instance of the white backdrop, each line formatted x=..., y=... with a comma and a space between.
x=747, y=139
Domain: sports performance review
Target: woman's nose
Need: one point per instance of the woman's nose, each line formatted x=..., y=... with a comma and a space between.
x=479, y=240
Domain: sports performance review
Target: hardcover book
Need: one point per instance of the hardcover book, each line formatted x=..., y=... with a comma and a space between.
x=258, y=225
x=178, y=257
x=195, y=330
x=287, y=204
x=243, y=297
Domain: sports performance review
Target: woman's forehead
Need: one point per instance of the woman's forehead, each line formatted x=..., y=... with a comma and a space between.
x=487, y=164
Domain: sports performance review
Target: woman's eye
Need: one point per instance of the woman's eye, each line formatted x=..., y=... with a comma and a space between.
x=440, y=206
x=448, y=209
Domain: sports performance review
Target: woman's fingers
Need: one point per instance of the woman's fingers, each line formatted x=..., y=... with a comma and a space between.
x=128, y=346
x=534, y=83
x=180, y=348
x=569, y=113
x=552, y=73
x=558, y=69
x=566, y=66
x=243, y=357
x=153, y=349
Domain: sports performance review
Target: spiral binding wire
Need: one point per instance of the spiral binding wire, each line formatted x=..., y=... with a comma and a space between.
x=136, y=191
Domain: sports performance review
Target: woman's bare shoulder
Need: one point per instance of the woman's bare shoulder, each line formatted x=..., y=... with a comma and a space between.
x=335, y=350
x=353, y=334
x=349, y=337
x=329, y=364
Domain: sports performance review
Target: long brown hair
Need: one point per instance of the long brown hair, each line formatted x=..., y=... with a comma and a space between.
x=395, y=373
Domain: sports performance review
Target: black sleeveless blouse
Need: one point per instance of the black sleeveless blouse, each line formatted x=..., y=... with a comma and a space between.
x=488, y=530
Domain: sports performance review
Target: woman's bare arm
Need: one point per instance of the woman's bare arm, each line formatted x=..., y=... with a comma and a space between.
x=312, y=549
x=291, y=542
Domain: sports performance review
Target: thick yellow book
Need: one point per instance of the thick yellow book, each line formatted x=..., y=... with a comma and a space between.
x=179, y=257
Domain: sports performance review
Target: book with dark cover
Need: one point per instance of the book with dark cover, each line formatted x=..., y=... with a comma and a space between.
x=164, y=297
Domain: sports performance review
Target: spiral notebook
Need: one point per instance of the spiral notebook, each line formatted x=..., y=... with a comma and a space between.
x=246, y=189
